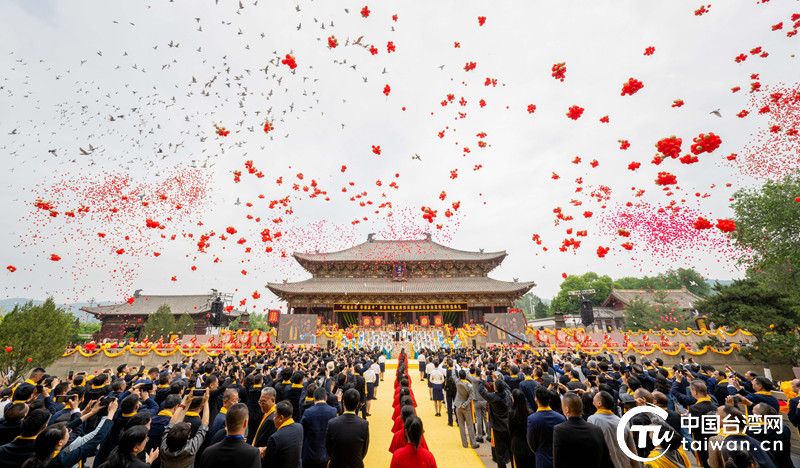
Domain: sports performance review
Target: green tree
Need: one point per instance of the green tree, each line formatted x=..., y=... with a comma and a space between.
x=184, y=325
x=628, y=282
x=39, y=333
x=532, y=306
x=685, y=277
x=591, y=280
x=768, y=313
x=640, y=315
x=258, y=322
x=159, y=324
x=768, y=232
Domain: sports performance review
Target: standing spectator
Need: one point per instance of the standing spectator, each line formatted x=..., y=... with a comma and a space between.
x=178, y=447
x=370, y=378
x=315, y=426
x=266, y=427
x=229, y=398
x=479, y=405
x=347, y=440
x=463, y=406
x=12, y=422
x=778, y=441
x=53, y=448
x=382, y=364
x=499, y=403
x=449, y=389
x=794, y=411
x=540, y=428
x=518, y=428
x=14, y=453
x=576, y=442
x=232, y=451
x=436, y=382
x=528, y=387
x=413, y=455
x=608, y=422
x=285, y=447
x=160, y=421
x=126, y=453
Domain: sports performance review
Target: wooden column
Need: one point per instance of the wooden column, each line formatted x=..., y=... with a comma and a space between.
x=414, y=317
x=385, y=318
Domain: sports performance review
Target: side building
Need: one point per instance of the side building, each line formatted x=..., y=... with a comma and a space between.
x=399, y=282
x=119, y=320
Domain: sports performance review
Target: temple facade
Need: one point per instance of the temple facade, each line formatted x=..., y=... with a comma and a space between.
x=384, y=282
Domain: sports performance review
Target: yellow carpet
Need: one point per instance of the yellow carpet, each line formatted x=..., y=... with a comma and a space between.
x=443, y=440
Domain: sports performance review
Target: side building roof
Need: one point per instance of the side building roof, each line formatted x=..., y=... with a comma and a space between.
x=680, y=298
x=148, y=304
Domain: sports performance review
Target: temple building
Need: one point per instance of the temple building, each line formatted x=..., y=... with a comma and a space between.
x=399, y=281
x=677, y=299
x=127, y=319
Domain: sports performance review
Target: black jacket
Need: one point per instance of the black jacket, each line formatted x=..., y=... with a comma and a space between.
x=265, y=430
x=232, y=451
x=499, y=406
x=9, y=430
x=14, y=453
x=284, y=448
x=577, y=442
x=347, y=441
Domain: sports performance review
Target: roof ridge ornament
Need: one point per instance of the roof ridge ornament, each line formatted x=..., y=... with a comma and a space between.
x=427, y=236
x=371, y=237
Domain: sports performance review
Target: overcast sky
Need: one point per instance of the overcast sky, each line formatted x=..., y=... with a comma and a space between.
x=72, y=67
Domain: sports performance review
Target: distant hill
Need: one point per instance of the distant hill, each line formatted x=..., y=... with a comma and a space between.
x=7, y=305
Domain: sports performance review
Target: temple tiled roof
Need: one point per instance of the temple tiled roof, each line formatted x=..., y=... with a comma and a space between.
x=148, y=304
x=479, y=284
x=420, y=250
x=680, y=298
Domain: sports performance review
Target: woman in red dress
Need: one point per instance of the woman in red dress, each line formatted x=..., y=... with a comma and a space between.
x=413, y=455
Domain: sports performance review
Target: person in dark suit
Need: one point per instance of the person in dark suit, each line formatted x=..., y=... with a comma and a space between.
x=14, y=453
x=11, y=424
x=528, y=387
x=577, y=442
x=315, y=426
x=779, y=440
x=253, y=395
x=285, y=447
x=699, y=403
x=266, y=427
x=540, y=428
x=229, y=398
x=233, y=451
x=347, y=440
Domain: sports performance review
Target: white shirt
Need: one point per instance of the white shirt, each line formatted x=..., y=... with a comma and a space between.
x=429, y=368
x=437, y=376
x=421, y=358
x=375, y=368
x=381, y=359
x=369, y=375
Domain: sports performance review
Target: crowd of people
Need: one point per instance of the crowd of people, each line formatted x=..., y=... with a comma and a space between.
x=558, y=410
x=310, y=408
x=290, y=408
